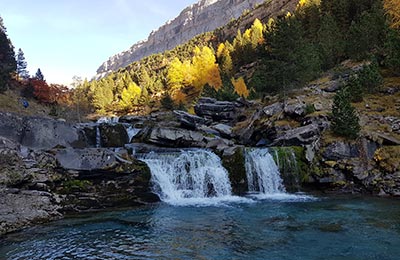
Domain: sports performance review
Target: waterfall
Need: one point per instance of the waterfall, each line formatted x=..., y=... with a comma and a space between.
x=98, y=137
x=262, y=172
x=132, y=132
x=191, y=175
x=108, y=120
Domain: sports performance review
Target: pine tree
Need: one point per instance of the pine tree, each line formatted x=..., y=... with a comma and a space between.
x=345, y=121
x=21, y=65
x=392, y=50
x=292, y=60
x=8, y=64
x=39, y=75
x=330, y=42
x=366, y=34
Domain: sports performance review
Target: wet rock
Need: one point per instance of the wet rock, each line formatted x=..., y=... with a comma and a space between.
x=113, y=135
x=234, y=162
x=23, y=208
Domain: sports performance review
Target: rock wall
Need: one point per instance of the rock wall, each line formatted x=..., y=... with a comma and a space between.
x=201, y=17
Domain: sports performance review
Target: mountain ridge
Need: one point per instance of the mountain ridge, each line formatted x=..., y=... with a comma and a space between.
x=200, y=17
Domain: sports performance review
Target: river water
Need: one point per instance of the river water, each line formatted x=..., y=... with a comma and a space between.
x=278, y=227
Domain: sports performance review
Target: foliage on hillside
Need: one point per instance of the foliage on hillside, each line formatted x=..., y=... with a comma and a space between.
x=283, y=54
x=276, y=56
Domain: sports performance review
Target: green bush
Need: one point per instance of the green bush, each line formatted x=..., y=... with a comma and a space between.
x=345, y=121
x=370, y=78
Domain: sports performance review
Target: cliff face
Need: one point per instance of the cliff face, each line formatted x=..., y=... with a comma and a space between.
x=201, y=17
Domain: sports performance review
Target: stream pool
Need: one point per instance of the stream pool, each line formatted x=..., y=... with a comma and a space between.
x=253, y=228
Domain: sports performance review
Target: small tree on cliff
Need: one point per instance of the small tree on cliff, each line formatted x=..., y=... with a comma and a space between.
x=345, y=121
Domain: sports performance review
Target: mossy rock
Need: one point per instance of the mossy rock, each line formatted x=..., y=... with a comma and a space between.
x=388, y=158
x=113, y=135
x=235, y=164
x=292, y=165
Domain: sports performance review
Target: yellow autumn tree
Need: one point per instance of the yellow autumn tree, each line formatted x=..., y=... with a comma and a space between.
x=392, y=8
x=220, y=50
x=225, y=58
x=130, y=95
x=257, y=36
x=176, y=74
x=240, y=87
x=306, y=3
x=180, y=74
x=205, y=69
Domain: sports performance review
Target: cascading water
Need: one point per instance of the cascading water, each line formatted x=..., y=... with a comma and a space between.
x=98, y=137
x=188, y=175
x=262, y=172
x=132, y=132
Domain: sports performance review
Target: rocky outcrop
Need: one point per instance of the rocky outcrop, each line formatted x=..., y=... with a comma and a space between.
x=40, y=133
x=189, y=121
x=298, y=136
x=175, y=137
x=20, y=208
x=203, y=16
x=217, y=110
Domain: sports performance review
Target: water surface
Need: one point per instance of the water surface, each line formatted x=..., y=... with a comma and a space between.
x=271, y=228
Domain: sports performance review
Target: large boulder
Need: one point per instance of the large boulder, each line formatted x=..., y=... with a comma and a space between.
x=11, y=126
x=235, y=164
x=103, y=178
x=113, y=135
x=91, y=159
x=190, y=121
x=294, y=108
x=175, y=137
x=216, y=110
x=298, y=136
x=273, y=110
x=223, y=130
x=341, y=150
x=42, y=133
x=21, y=208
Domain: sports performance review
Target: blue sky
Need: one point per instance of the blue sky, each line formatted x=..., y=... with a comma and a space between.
x=73, y=37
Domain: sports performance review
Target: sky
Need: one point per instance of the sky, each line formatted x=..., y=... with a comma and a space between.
x=66, y=38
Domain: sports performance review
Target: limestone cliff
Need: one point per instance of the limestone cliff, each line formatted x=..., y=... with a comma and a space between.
x=201, y=17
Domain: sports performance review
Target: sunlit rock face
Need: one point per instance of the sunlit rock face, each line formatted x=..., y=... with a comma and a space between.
x=201, y=17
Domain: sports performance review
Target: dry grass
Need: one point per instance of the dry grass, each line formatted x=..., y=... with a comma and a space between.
x=11, y=102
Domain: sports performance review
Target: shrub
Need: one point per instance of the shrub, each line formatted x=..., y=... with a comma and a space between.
x=345, y=121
